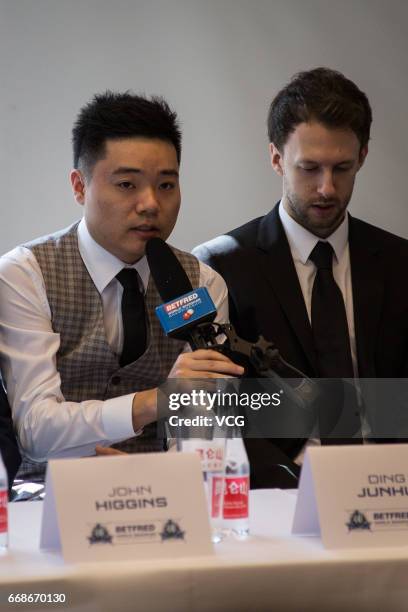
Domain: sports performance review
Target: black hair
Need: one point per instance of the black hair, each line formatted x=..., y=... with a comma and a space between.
x=115, y=116
x=323, y=95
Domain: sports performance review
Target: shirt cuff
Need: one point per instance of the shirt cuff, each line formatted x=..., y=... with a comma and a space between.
x=117, y=418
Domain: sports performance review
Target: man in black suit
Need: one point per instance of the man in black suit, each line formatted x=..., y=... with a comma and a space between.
x=319, y=127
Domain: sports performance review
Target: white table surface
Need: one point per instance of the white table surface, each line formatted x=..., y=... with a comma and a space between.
x=271, y=570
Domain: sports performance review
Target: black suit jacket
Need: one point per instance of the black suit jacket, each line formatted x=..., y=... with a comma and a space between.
x=8, y=444
x=266, y=298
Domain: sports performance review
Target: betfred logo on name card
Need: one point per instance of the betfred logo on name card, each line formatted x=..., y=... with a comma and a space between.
x=189, y=309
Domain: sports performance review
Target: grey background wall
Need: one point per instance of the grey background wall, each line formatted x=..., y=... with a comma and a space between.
x=218, y=63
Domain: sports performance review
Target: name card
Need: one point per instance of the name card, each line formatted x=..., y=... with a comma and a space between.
x=354, y=496
x=126, y=507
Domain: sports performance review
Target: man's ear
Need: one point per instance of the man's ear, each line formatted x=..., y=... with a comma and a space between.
x=276, y=159
x=78, y=185
x=363, y=155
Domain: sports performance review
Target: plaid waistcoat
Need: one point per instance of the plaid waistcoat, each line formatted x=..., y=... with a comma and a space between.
x=88, y=367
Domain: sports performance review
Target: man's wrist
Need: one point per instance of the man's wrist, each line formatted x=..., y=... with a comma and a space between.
x=144, y=408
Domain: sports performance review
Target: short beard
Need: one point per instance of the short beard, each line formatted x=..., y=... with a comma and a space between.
x=298, y=214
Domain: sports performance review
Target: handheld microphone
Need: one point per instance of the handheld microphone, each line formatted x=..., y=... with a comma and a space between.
x=168, y=274
x=197, y=327
x=187, y=313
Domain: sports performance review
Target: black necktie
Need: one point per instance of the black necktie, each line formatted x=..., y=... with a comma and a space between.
x=332, y=345
x=133, y=317
x=329, y=320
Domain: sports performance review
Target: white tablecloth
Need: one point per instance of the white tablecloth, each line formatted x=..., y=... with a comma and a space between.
x=272, y=571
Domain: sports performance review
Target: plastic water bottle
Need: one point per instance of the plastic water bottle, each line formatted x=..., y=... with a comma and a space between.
x=212, y=455
x=3, y=505
x=236, y=488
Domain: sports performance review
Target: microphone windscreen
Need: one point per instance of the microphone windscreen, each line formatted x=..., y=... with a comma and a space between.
x=168, y=274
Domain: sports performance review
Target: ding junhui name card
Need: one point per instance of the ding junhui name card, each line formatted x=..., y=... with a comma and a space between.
x=354, y=496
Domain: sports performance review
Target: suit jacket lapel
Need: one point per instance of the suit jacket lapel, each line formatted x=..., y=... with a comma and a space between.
x=367, y=277
x=280, y=273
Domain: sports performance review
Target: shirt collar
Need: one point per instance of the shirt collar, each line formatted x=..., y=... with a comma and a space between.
x=302, y=242
x=102, y=265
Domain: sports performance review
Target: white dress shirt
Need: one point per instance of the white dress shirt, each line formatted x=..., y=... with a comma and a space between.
x=47, y=425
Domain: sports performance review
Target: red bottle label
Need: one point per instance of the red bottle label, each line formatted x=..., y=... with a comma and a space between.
x=3, y=511
x=236, y=497
x=216, y=491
